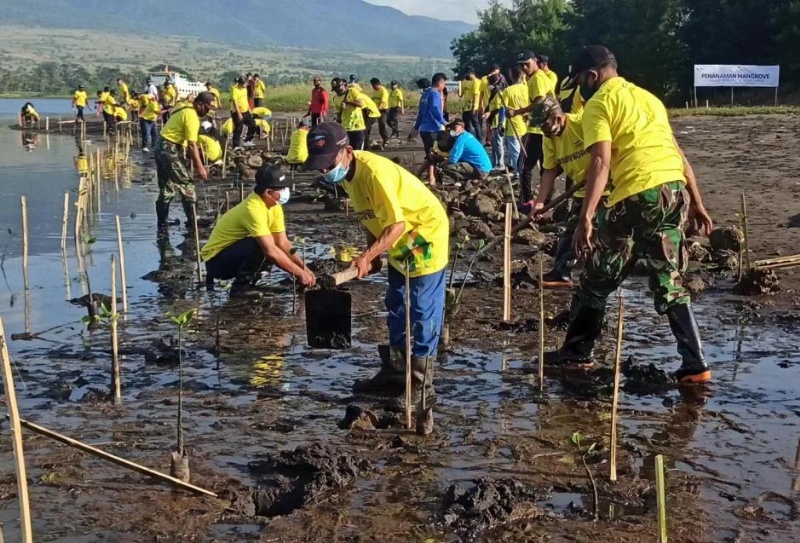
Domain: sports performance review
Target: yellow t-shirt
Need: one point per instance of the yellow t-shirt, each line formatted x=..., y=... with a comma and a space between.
x=239, y=98
x=574, y=97
x=210, y=147
x=124, y=93
x=264, y=125
x=298, y=147
x=396, y=98
x=109, y=104
x=552, y=76
x=150, y=111
x=470, y=95
x=120, y=113
x=383, y=193
x=80, y=98
x=381, y=97
x=260, y=89
x=516, y=97
x=370, y=106
x=353, y=117
x=102, y=97
x=262, y=111
x=183, y=125
x=643, y=152
x=251, y=218
x=135, y=104
x=485, y=90
x=337, y=102
x=539, y=86
x=227, y=128
x=169, y=95
x=215, y=92
x=568, y=152
x=495, y=104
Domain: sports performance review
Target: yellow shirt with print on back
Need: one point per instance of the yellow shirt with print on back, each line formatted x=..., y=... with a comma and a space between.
x=381, y=97
x=251, y=218
x=352, y=116
x=643, y=152
x=372, y=108
x=169, y=95
x=396, y=98
x=150, y=111
x=109, y=104
x=210, y=148
x=516, y=97
x=80, y=98
x=183, y=125
x=239, y=99
x=539, y=86
x=470, y=95
x=382, y=194
x=298, y=147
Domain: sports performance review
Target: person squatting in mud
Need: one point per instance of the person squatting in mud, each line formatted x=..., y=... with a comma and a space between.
x=182, y=129
x=627, y=134
x=251, y=237
x=467, y=159
x=405, y=219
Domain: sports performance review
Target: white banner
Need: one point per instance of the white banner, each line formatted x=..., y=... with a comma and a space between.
x=720, y=75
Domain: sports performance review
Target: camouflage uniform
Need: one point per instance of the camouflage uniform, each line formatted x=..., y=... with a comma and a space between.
x=648, y=225
x=173, y=175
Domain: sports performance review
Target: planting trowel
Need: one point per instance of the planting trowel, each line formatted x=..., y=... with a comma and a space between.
x=328, y=312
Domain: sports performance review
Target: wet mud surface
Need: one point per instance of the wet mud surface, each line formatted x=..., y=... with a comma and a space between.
x=273, y=428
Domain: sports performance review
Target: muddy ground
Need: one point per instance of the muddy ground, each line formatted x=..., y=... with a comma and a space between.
x=265, y=415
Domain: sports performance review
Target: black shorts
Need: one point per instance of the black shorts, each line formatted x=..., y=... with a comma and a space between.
x=428, y=139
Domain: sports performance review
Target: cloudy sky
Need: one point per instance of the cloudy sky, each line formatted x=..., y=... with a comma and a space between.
x=463, y=10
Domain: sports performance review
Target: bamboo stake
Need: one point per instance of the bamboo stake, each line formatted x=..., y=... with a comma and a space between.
x=114, y=341
x=122, y=275
x=16, y=434
x=662, y=499
x=24, y=202
x=615, y=398
x=744, y=228
x=409, y=384
x=47, y=124
x=541, y=325
x=507, y=265
x=796, y=479
x=64, y=223
x=112, y=458
x=791, y=259
x=227, y=201
x=197, y=244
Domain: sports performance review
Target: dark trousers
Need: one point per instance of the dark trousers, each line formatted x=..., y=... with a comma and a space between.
x=79, y=115
x=240, y=261
x=381, y=126
x=428, y=139
x=316, y=118
x=392, y=120
x=356, y=139
x=535, y=154
x=111, y=122
x=257, y=102
x=238, y=128
x=472, y=125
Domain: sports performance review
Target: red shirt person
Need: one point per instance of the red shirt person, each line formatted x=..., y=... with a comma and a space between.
x=318, y=106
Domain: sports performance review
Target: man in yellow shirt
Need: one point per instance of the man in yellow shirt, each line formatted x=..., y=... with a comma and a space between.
x=251, y=237
x=500, y=83
x=544, y=64
x=109, y=109
x=380, y=95
x=627, y=134
x=396, y=108
x=149, y=111
x=241, y=115
x=539, y=86
x=471, y=102
x=259, y=91
x=350, y=112
x=298, y=144
x=570, y=98
x=79, y=101
x=405, y=219
x=172, y=171
x=124, y=92
x=217, y=101
x=513, y=98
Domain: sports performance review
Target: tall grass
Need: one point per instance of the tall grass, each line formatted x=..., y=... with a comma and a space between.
x=736, y=111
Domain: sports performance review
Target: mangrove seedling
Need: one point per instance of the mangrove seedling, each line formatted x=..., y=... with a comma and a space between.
x=459, y=249
x=577, y=440
x=179, y=464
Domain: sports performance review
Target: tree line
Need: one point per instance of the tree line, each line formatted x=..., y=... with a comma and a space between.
x=656, y=41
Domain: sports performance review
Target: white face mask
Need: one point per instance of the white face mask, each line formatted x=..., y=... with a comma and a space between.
x=284, y=196
x=453, y=134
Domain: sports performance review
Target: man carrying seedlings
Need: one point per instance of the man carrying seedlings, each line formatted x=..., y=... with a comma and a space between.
x=468, y=159
x=405, y=219
x=252, y=236
x=181, y=129
x=627, y=134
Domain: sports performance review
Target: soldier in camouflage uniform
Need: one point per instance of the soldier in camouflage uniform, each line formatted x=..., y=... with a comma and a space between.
x=172, y=169
x=627, y=134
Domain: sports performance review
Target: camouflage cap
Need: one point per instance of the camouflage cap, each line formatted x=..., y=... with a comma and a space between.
x=542, y=110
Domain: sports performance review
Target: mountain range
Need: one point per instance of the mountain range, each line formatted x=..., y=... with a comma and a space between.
x=339, y=25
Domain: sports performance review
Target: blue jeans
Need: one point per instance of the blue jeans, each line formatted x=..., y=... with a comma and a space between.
x=514, y=150
x=498, y=148
x=149, y=133
x=427, y=311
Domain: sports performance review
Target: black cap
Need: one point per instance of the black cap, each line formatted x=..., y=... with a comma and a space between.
x=544, y=59
x=423, y=83
x=240, y=79
x=469, y=70
x=324, y=142
x=81, y=87
x=590, y=56
x=206, y=97
x=495, y=67
x=393, y=82
x=148, y=80
x=525, y=56
x=353, y=78
x=270, y=176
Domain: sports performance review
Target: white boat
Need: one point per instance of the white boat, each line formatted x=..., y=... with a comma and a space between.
x=182, y=85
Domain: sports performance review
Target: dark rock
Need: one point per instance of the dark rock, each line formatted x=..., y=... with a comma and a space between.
x=482, y=205
x=757, y=283
x=481, y=230
x=726, y=260
x=358, y=418
x=529, y=236
x=726, y=238
x=698, y=253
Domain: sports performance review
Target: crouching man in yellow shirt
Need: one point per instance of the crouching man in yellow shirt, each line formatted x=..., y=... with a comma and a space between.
x=252, y=236
x=627, y=134
x=405, y=219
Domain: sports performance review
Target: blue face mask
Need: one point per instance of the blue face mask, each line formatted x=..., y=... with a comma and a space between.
x=336, y=175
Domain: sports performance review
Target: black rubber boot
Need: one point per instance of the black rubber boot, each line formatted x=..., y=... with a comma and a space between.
x=421, y=379
x=684, y=327
x=561, y=274
x=577, y=351
x=188, y=210
x=162, y=214
x=390, y=381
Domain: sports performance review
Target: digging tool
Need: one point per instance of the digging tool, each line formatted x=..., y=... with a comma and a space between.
x=328, y=312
